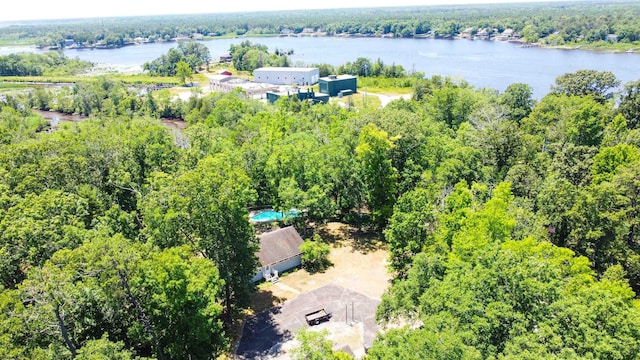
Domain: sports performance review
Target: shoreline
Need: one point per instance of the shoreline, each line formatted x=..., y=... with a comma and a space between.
x=517, y=42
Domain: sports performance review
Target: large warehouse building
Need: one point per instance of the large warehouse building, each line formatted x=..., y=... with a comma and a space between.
x=286, y=75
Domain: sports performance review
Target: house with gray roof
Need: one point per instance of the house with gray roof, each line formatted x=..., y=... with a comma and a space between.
x=279, y=252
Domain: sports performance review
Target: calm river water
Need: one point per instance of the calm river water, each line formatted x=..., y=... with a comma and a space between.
x=488, y=64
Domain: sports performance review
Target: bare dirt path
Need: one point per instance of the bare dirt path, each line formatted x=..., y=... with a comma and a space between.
x=386, y=99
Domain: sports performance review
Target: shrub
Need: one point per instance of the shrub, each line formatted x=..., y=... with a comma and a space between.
x=315, y=255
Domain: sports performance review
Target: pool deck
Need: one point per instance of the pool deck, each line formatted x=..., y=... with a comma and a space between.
x=278, y=216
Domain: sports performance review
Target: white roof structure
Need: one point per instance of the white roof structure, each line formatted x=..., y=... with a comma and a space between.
x=227, y=83
x=287, y=75
x=287, y=69
x=220, y=78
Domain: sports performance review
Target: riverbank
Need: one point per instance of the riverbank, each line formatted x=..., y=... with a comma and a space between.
x=480, y=63
x=600, y=46
x=627, y=49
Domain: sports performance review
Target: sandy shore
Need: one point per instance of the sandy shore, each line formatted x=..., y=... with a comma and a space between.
x=107, y=69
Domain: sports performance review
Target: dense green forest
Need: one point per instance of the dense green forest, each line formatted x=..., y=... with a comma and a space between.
x=512, y=225
x=48, y=64
x=192, y=53
x=611, y=24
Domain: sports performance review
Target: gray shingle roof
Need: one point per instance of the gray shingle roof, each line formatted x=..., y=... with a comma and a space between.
x=279, y=245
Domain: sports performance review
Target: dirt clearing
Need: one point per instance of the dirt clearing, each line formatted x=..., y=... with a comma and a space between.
x=359, y=264
x=358, y=276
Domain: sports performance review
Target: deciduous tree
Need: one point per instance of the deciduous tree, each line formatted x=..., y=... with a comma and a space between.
x=598, y=84
x=206, y=208
x=379, y=174
x=183, y=72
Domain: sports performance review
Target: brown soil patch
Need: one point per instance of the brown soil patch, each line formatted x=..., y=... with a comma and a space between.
x=359, y=263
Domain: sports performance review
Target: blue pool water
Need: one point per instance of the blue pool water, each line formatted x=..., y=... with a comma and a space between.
x=271, y=215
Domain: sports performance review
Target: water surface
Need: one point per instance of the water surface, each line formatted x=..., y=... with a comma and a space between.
x=489, y=64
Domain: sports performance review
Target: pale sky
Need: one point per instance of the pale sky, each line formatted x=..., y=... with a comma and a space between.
x=15, y=10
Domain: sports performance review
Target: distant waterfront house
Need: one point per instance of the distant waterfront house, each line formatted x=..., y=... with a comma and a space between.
x=287, y=75
x=506, y=35
x=226, y=58
x=482, y=34
x=279, y=252
x=181, y=37
x=466, y=33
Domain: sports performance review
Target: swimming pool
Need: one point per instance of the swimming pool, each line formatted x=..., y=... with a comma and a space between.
x=268, y=215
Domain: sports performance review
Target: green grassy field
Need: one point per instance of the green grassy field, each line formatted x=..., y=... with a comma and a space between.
x=138, y=79
x=600, y=46
x=386, y=86
x=12, y=86
x=17, y=42
x=359, y=101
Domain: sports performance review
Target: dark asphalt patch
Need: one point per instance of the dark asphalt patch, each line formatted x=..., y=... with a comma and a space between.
x=263, y=334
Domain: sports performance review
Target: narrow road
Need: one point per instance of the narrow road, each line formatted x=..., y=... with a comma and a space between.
x=385, y=99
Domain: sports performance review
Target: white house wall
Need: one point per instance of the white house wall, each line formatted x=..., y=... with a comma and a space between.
x=286, y=77
x=281, y=266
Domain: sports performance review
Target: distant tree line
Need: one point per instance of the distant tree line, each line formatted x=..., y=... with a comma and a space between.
x=49, y=63
x=365, y=68
x=550, y=23
x=248, y=56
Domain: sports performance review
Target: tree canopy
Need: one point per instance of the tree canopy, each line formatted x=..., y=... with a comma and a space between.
x=587, y=82
x=49, y=63
x=511, y=224
x=192, y=53
x=596, y=24
x=248, y=56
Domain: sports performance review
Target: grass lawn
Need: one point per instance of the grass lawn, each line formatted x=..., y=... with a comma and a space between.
x=389, y=91
x=17, y=42
x=359, y=100
x=214, y=67
x=387, y=86
x=4, y=86
x=140, y=79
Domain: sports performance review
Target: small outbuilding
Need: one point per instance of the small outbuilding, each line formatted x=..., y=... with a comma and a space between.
x=224, y=72
x=340, y=84
x=287, y=75
x=279, y=252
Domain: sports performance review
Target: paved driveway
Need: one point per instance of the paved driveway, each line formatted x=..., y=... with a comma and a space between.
x=263, y=334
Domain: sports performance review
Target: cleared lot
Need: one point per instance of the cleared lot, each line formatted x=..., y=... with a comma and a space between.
x=357, y=279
